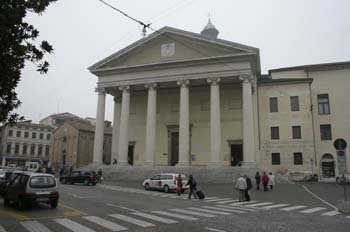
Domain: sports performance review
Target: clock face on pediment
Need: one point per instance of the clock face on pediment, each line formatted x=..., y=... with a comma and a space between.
x=168, y=47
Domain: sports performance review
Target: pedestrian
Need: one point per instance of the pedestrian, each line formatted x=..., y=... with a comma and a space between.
x=99, y=175
x=193, y=187
x=265, y=181
x=179, y=185
x=241, y=186
x=249, y=187
x=257, y=180
x=71, y=169
x=271, y=180
x=61, y=171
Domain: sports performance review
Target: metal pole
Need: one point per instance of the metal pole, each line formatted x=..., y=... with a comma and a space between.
x=344, y=184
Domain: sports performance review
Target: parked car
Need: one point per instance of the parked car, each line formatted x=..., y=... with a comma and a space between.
x=28, y=188
x=85, y=177
x=8, y=177
x=2, y=174
x=165, y=181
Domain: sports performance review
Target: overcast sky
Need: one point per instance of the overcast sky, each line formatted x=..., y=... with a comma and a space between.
x=82, y=32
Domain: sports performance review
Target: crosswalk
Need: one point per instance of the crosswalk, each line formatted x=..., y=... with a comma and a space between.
x=151, y=219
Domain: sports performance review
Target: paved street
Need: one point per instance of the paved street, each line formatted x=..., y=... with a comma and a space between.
x=126, y=206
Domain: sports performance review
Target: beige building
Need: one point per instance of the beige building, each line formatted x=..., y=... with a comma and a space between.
x=56, y=120
x=73, y=145
x=25, y=141
x=190, y=99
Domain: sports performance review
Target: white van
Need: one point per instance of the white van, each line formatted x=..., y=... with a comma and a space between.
x=32, y=166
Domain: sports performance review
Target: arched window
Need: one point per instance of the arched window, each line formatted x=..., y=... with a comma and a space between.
x=328, y=164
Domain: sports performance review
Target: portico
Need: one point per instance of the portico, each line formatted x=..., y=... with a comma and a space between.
x=204, y=94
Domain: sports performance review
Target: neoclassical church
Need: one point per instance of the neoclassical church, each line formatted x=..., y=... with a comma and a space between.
x=187, y=99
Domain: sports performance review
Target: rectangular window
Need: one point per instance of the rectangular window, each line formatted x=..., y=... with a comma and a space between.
x=294, y=103
x=296, y=131
x=10, y=133
x=40, y=150
x=24, y=152
x=273, y=104
x=8, y=148
x=26, y=134
x=275, y=132
x=41, y=136
x=48, y=136
x=326, y=132
x=18, y=134
x=323, y=104
x=33, y=135
x=32, y=149
x=298, y=158
x=275, y=158
x=47, y=150
x=16, y=148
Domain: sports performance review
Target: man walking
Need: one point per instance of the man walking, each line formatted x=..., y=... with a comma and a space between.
x=271, y=180
x=265, y=180
x=257, y=180
x=241, y=186
x=193, y=187
x=249, y=187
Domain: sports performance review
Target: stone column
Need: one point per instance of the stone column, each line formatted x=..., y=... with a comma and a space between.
x=215, y=123
x=116, y=125
x=151, y=124
x=3, y=161
x=123, y=143
x=248, y=122
x=99, y=129
x=184, y=127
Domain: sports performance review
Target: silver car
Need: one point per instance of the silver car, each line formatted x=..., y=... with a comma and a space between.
x=165, y=182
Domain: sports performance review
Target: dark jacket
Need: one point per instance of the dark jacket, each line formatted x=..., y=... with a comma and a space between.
x=249, y=183
x=192, y=183
x=257, y=178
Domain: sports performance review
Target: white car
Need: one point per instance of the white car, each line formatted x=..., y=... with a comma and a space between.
x=165, y=181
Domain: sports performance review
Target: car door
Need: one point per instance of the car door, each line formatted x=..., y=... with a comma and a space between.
x=16, y=187
x=75, y=176
x=155, y=181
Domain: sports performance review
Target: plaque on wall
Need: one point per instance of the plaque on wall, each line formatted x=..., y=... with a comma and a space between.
x=167, y=50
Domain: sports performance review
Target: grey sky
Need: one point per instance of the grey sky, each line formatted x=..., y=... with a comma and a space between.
x=288, y=33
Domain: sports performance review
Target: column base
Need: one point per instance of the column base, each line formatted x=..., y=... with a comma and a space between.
x=122, y=163
x=249, y=164
x=215, y=164
x=183, y=164
x=148, y=163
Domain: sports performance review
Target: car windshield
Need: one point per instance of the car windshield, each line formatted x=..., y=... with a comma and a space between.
x=42, y=182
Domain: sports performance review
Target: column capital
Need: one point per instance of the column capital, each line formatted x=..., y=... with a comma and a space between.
x=100, y=91
x=183, y=83
x=124, y=88
x=246, y=78
x=213, y=80
x=151, y=85
x=117, y=99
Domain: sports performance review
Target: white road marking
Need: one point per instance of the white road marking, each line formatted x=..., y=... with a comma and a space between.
x=294, y=207
x=210, y=198
x=237, y=207
x=209, y=211
x=312, y=210
x=331, y=213
x=220, y=199
x=224, y=202
x=224, y=209
x=175, y=215
x=274, y=206
x=104, y=223
x=212, y=229
x=260, y=204
x=122, y=207
x=72, y=225
x=193, y=213
x=243, y=202
x=2, y=229
x=132, y=220
x=34, y=226
x=319, y=198
x=76, y=196
x=155, y=218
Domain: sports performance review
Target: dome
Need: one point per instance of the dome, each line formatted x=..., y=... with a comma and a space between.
x=210, y=31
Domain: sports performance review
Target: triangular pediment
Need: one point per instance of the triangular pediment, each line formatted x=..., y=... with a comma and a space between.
x=171, y=45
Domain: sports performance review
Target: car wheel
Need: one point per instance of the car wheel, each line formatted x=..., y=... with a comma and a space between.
x=53, y=204
x=6, y=201
x=86, y=182
x=71, y=182
x=147, y=186
x=21, y=204
x=166, y=188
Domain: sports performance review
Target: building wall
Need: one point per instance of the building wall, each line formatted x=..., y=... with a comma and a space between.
x=285, y=119
x=168, y=116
